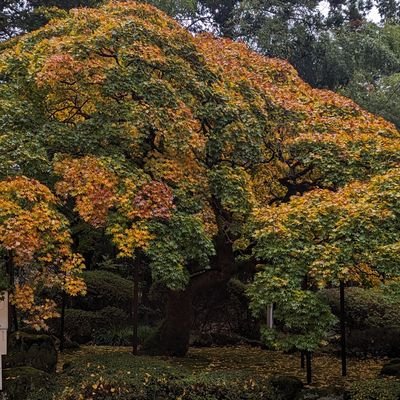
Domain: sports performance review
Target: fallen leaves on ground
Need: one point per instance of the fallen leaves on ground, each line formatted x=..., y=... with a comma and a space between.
x=253, y=362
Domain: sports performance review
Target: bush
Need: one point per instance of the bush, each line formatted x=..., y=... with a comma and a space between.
x=366, y=308
x=373, y=320
x=81, y=325
x=374, y=341
x=392, y=368
x=122, y=336
x=113, y=336
x=103, y=289
x=285, y=387
x=27, y=383
x=375, y=390
x=145, y=332
x=31, y=350
x=168, y=386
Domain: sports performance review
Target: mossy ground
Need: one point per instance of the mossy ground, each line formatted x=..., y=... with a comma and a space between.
x=240, y=361
x=102, y=372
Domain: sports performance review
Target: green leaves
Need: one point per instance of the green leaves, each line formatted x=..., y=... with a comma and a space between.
x=301, y=319
x=317, y=240
x=180, y=246
x=231, y=186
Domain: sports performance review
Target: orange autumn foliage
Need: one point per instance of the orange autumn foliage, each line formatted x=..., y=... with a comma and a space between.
x=37, y=239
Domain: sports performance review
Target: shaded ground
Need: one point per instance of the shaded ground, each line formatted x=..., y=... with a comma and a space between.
x=242, y=362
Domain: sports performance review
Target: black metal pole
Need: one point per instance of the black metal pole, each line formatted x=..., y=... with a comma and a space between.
x=302, y=360
x=62, y=321
x=343, y=329
x=135, y=308
x=308, y=365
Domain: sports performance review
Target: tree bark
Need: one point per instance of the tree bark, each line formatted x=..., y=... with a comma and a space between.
x=13, y=318
x=309, y=367
x=135, y=309
x=62, y=321
x=172, y=338
x=343, y=329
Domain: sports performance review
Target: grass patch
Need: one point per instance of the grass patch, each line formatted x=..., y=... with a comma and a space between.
x=234, y=373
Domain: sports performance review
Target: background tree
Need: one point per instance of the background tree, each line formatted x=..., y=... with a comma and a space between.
x=350, y=235
x=36, y=240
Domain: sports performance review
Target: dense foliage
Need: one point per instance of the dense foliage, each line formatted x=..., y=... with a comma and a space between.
x=170, y=143
x=37, y=241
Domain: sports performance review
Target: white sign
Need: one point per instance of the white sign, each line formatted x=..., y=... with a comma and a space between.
x=3, y=333
x=3, y=342
x=4, y=312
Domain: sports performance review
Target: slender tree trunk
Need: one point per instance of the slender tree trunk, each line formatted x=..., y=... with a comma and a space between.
x=62, y=321
x=309, y=367
x=13, y=323
x=302, y=360
x=343, y=329
x=135, y=308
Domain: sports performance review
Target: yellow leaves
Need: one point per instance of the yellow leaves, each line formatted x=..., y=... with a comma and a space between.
x=147, y=52
x=21, y=187
x=130, y=239
x=39, y=313
x=23, y=297
x=96, y=190
x=38, y=242
x=91, y=184
x=334, y=235
x=72, y=267
x=74, y=286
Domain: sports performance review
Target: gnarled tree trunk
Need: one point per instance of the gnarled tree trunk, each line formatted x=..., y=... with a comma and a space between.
x=172, y=338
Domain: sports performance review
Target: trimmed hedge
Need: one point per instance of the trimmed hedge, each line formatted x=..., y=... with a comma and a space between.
x=81, y=325
x=31, y=350
x=366, y=308
x=373, y=321
x=104, y=289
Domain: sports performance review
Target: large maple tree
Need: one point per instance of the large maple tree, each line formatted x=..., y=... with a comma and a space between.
x=170, y=142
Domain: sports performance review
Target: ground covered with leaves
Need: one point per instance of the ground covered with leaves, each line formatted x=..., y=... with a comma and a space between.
x=101, y=372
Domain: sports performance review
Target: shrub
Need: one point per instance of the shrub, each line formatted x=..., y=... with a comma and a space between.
x=31, y=350
x=120, y=376
x=168, y=386
x=366, y=308
x=113, y=336
x=375, y=390
x=81, y=325
x=145, y=332
x=374, y=341
x=373, y=320
x=104, y=289
x=27, y=383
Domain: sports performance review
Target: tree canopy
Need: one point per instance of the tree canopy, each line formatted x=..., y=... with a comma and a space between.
x=170, y=142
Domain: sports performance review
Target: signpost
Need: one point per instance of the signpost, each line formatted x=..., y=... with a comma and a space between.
x=3, y=333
